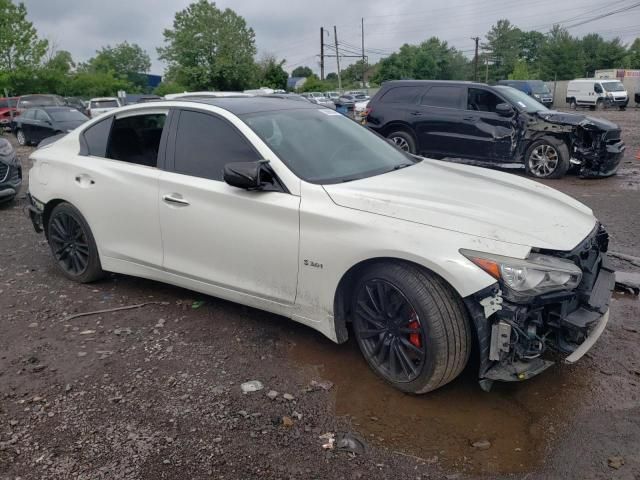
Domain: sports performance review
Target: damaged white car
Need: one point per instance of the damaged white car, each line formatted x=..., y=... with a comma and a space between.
x=292, y=208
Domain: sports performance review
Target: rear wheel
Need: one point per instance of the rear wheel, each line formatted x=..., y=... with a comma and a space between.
x=411, y=327
x=403, y=140
x=572, y=104
x=599, y=105
x=21, y=137
x=72, y=244
x=547, y=158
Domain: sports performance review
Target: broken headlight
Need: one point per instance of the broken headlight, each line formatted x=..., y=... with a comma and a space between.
x=535, y=275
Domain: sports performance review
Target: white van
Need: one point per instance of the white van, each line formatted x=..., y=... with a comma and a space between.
x=597, y=93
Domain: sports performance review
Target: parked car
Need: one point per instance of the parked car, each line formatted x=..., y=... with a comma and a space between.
x=534, y=88
x=10, y=172
x=493, y=126
x=320, y=99
x=7, y=111
x=77, y=103
x=597, y=94
x=98, y=106
x=287, y=96
x=333, y=96
x=185, y=95
x=38, y=100
x=292, y=208
x=36, y=124
x=134, y=98
x=359, y=93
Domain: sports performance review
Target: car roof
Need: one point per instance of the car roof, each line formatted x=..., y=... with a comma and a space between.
x=244, y=105
x=53, y=108
x=417, y=83
x=103, y=99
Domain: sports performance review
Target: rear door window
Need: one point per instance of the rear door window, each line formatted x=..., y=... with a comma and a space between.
x=136, y=139
x=96, y=138
x=401, y=95
x=443, y=96
x=41, y=116
x=205, y=143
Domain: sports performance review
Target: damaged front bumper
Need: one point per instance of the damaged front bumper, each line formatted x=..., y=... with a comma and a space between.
x=36, y=209
x=598, y=154
x=520, y=338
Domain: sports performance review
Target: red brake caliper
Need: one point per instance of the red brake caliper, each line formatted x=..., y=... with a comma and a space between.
x=414, y=338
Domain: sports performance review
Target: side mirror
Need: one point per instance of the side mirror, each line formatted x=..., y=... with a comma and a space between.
x=504, y=109
x=247, y=175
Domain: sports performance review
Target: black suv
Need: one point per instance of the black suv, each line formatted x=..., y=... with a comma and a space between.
x=493, y=126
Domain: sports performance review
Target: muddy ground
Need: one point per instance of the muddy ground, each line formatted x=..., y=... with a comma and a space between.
x=154, y=392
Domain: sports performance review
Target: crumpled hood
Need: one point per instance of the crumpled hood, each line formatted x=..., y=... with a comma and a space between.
x=472, y=200
x=569, y=118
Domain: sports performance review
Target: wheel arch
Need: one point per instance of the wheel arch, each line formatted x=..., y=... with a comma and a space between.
x=346, y=285
x=399, y=125
x=46, y=213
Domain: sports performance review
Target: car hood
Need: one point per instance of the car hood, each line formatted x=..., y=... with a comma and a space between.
x=568, y=118
x=474, y=201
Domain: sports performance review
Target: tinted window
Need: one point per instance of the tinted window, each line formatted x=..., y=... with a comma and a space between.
x=42, y=116
x=97, y=136
x=71, y=115
x=597, y=88
x=206, y=143
x=401, y=95
x=28, y=115
x=136, y=139
x=482, y=100
x=443, y=96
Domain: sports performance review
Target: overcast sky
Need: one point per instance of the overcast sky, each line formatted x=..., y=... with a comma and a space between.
x=291, y=29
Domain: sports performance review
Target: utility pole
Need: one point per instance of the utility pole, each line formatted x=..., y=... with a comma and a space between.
x=364, y=66
x=475, y=59
x=486, y=73
x=335, y=37
x=321, y=53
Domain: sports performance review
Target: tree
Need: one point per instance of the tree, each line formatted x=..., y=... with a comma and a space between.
x=503, y=44
x=123, y=59
x=314, y=84
x=332, y=77
x=271, y=74
x=520, y=71
x=561, y=56
x=599, y=53
x=632, y=58
x=209, y=48
x=20, y=47
x=301, y=72
x=61, y=61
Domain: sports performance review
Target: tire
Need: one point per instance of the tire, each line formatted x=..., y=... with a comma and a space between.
x=403, y=140
x=622, y=108
x=72, y=244
x=22, y=138
x=572, y=104
x=430, y=325
x=599, y=105
x=547, y=157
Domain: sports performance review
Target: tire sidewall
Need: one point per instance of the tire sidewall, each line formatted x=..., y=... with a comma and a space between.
x=405, y=136
x=432, y=348
x=20, y=135
x=94, y=268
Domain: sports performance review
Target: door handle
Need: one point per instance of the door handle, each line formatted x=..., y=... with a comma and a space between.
x=175, y=199
x=416, y=114
x=84, y=180
x=470, y=119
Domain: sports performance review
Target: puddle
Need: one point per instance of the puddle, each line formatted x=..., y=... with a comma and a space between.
x=519, y=420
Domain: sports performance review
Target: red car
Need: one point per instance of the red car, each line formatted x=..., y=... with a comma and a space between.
x=7, y=109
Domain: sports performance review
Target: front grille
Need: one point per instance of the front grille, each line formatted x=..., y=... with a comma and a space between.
x=14, y=174
x=4, y=171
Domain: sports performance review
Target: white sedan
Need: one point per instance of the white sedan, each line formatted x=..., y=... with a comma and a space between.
x=292, y=208
x=98, y=106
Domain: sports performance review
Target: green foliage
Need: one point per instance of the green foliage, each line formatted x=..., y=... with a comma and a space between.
x=561, y=56
x=95, y=84
x=504, y=42
x=209, y=49
x=167, y=87
x=599, y=53
x=126, y=61
x=20, y=47
x=314, y=84
x=301, y=72
x=271, y=74
x=432, y=59
x=520, y=71
x=632, y=58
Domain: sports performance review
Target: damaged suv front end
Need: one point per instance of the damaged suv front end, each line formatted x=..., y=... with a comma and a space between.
x=10, y=172
x=552, y=303
x=595, y=144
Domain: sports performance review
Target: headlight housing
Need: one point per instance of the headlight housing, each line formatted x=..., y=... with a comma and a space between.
x=535, y=275
x=536, y=95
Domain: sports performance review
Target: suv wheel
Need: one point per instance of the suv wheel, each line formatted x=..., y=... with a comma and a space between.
x=72, y=244
x=547, y=158
x=403, y=140
x=411, y=327
x=572, y=104
x=22, y=139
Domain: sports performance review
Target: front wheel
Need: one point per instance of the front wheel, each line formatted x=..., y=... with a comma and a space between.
x=403, y=140
x=547, y=158
x=73, y=245
x=572, y=104
x=411, y=327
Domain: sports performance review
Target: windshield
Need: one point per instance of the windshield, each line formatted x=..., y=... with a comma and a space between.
x=521, y=100
x=70, y=115
x=323, y=146
x=104, y=104
x=613, y=86
x=40, y=101
x=539, y=87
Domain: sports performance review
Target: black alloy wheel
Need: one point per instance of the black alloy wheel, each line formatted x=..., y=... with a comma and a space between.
x=69, y=244
x=389, y=330
x=73, y=245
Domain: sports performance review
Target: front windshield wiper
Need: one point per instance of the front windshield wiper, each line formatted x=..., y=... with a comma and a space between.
x=402, y=165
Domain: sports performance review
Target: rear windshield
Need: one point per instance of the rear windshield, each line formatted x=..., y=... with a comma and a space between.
x=104, y=104
x=613, y=86
x=7, y=102
x=70, y=115
x=29, y=101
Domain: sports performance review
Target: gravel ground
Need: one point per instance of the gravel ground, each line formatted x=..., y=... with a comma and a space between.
x=155, y=392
